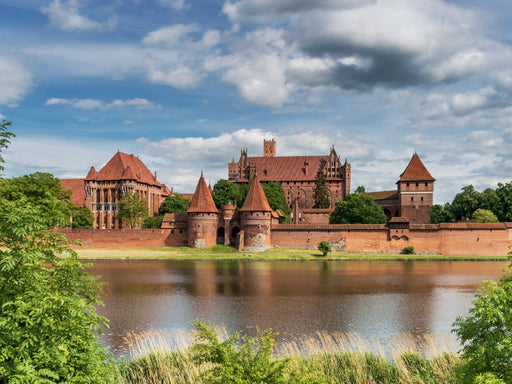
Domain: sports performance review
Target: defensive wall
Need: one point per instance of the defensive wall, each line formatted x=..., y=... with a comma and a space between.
x=446, y=239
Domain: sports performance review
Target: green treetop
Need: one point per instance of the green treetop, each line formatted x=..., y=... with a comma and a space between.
x=357, y=209
x=321, y=192
x=132, y=209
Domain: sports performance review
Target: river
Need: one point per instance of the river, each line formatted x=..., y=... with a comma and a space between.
x=375, y=299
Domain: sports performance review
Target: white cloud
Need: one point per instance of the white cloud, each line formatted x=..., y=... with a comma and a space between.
x=66, y=16
x=177, y=5
x=15, y=80
x=138, y=103
x=169, y=36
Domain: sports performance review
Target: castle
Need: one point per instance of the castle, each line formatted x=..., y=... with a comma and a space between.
x=249, y=226
x=100, y=191
x=296, y=174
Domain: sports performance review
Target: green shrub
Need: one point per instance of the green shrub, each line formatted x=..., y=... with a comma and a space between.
x=324, y=247
x=486, y=333
x=241, y=360
x=409, y=250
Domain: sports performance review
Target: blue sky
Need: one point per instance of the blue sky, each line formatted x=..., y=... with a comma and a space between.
x=185, y=85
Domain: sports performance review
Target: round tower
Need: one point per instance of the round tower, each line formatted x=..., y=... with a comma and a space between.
x=203, y=218
x=256, y=218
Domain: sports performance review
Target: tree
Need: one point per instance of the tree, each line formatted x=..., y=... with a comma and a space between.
x=48, y=322
x=503, y=209
x=82, y=218
x=357, y=209
x=324, y=247
x=321, y=192
x=276, y=198
x=225, y=192
x=5, y=139
x=486, y=333
x=132, y=209
x=465, y=203
x=360, y=189
x=153, y=222
x=441, y=214
x=483, y=216
x=174, y=204
x=36, y=187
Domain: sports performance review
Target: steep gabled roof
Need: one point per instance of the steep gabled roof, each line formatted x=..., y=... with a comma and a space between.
x=77, y=188
x=202, y=200
x=124, y=167
x=256, y=201
x=287, y=168
x=92, y=175
x=416, y=171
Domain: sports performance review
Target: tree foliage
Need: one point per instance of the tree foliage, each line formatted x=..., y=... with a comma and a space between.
x=321, y=192
x=226, y=192
x=5, y=139
x=48, y=322
x=276, y=198
x=242, y=359
x=153, y=221
x=324, y=247
x=357, y=208
x=483, y=216
x=441, y=214
x=37, y=188
x=174, y=204
x=486, y=333
x=132, y=209
x=82, y=218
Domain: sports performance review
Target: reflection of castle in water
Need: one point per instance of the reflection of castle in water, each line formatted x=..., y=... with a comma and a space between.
x=370, y=298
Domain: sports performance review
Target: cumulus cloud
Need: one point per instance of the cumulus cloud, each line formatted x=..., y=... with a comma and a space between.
x=138, y=103
x=66, y=16
x=15, y=80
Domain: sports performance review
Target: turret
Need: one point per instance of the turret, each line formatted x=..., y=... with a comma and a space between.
x=202, y=217
x=256, y=218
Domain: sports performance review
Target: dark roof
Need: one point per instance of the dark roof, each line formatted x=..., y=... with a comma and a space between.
x=256, y=199
x=416, y=171
x=202, y=200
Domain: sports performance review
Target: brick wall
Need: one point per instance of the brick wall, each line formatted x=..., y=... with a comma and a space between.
x=447, y=239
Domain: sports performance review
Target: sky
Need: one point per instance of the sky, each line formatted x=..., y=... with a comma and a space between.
x=186, y=85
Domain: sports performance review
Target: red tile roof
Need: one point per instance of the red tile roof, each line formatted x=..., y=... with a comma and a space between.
x=416, y=171
x=77, y=188
x=124, y=167
x=287, y=168
x=202, y=200
x=256, y=199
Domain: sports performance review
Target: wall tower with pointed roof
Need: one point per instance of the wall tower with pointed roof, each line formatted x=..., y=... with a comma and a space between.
x=256, y=219
x=203, y=217
x=416, y=192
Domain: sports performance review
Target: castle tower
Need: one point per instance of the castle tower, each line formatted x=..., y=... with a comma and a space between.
x=269, y=148
x=416, y=192
x=202, y=217
x=255, y=218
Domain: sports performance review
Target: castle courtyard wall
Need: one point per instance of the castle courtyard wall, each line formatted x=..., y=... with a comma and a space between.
x=446, y=239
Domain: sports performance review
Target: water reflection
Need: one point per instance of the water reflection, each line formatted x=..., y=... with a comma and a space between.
x=372, y=298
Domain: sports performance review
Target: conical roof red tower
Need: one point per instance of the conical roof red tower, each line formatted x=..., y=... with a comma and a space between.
x=202, y=200
x=256, y=199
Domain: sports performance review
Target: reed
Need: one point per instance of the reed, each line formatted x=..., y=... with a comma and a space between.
x=166, y=357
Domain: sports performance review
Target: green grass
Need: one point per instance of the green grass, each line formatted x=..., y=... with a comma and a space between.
x=222, y=252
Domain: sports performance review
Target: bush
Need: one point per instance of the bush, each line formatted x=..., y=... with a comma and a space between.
x=237, y=359
x=486, y=333
x=409, y=250
x=324, y=247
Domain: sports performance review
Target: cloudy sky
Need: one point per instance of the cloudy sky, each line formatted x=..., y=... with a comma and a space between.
x=186, y=84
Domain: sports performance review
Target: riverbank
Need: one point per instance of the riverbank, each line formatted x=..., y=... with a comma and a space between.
x=220, y=252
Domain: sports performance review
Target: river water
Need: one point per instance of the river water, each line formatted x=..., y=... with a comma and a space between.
x=375, y=299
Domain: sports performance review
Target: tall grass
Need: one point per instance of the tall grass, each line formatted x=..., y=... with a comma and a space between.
x=166, y=357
